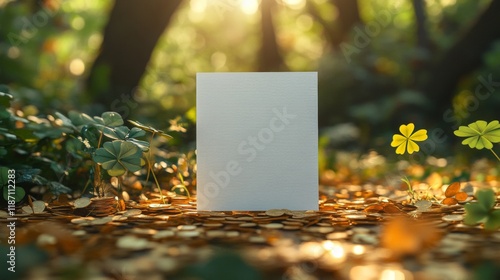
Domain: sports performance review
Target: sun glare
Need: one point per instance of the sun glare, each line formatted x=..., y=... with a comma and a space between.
x=296, y=4
x=249, y=7
x=198, y=6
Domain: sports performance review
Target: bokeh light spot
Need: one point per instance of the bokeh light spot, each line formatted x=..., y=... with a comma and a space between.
x=76, y=67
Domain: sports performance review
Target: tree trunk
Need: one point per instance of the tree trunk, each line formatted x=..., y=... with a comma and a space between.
x=421, y=63
x=423, y=40
x=463, y=57
x=270, y=58
x=132, y=31
x=348, y=16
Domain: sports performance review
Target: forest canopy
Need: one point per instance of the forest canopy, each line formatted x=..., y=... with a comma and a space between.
x=378, y=61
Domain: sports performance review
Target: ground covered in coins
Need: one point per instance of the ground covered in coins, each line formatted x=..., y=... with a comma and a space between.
x=360, y=232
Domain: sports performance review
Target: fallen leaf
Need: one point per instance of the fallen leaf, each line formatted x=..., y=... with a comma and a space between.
x=449, y=201
x=374, y=208
x=461, y=196
x=391, y=208
x=452, y=189
x=121, y=205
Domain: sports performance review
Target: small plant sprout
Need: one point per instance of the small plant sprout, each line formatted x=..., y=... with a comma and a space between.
x=111, y=145
x=181, y=186
x=416, y=195
x=480, y=135
x=406, y=140
x=483, y=210
x=149, y=156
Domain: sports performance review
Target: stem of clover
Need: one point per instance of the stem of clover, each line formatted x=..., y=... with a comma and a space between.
x=97, y=173
x=411, y=193
x=495, y=154
x=181, y=185
x=150, y=167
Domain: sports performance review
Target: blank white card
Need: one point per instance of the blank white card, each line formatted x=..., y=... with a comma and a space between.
x=257, y=141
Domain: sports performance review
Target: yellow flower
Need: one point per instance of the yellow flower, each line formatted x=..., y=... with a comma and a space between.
x=406, y=141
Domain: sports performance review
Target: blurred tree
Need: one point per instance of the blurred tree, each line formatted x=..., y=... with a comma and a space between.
x=348, y=17
x=270, y=58
x=129, y=38
x=424, y=43
x=461, y=59
x=423, y=40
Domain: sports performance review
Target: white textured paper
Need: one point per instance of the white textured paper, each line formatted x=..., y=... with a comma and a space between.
x=257, y=141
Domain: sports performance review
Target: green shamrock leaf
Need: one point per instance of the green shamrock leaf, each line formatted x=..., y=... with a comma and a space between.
x=483, y=210
x=123, y=132
x=112, y=119
x=19, y=193
x=480, y=134
x=493, y=221
x=5, y=99
x=79, y=119
x=126, y=134
x=109, y=119
x=65, y=121
x=118, y=157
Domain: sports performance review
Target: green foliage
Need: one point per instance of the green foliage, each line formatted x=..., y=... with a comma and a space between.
x=150, y=129
x=110, y=119
x=28, y=142
x=6, y=180
x=118, y=157
x=60, y=146
x=126, y=134
x=480, y=135
x=483, y=210
x=4, y=104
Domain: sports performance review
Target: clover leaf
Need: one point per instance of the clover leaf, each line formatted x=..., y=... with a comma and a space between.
x=109, y=119
x=123, y=132
x=482, y=211
x=5, y=100
x=118, y=157
x=91, y=134
x=79, y=119
x=480, y=134
x=126, y=134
